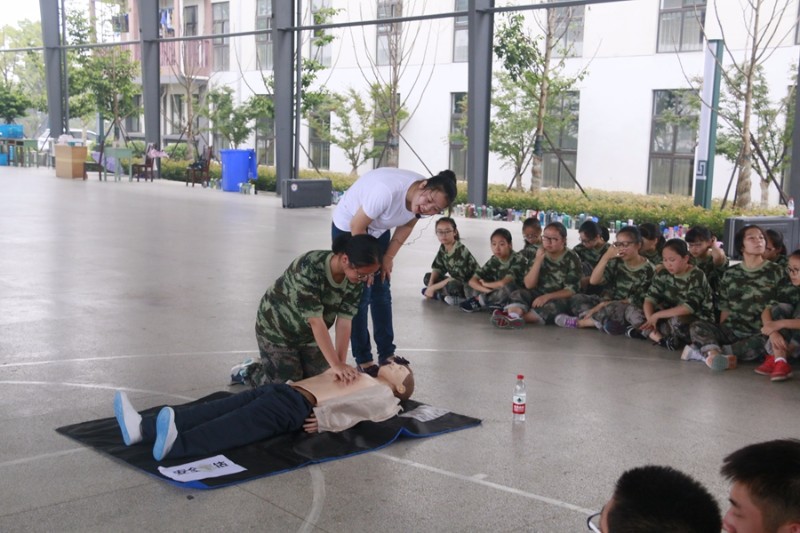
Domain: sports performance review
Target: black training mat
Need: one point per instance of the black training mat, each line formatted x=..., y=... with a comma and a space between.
x=276, y=455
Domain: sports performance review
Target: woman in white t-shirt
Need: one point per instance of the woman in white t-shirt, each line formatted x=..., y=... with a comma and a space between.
x=380, y=201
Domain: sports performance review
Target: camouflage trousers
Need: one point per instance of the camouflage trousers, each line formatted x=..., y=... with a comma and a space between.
x=495, y=299
x=280, y=364
x=622, y=314
x=523, y=299
x=792, y=336
x=676, y=329
x=707, y=336
x=454, y=287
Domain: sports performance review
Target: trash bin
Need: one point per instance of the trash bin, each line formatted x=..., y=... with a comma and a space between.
x=237, y=167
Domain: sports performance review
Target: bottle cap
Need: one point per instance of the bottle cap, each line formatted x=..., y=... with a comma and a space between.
x=520, y=376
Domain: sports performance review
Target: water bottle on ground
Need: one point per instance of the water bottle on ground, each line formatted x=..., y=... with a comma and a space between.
x=519, y=399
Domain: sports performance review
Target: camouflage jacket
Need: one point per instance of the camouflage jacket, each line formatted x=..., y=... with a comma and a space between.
x=494, y=269
x=620, y=282
x=458, y=264
x=654, y=256
x=529, y=252
x=691, y=290
x=713, y=272
x=745, y=293
x=563, y=273
x=305, y=290
x=589, y=256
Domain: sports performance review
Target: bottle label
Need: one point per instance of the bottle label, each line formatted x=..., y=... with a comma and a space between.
x=518, y=407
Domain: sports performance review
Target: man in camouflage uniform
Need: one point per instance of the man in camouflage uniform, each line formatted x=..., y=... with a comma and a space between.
x=744, y=295
x=285, y=338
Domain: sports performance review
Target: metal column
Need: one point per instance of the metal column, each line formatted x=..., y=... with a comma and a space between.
x=794, y=179
x=54, y=75
x=151, y=71
x=283, y=39
x=481, y=32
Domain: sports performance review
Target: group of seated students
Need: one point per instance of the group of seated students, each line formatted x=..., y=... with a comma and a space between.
x=681, y=294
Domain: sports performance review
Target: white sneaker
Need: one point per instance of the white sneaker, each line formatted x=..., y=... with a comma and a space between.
x=129, y=420
x=166, y=433
x=453, y=300
x=690, y=353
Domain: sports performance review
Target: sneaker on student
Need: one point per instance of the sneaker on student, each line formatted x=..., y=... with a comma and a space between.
x=690, y=353
x=721, y=361
x=634, y=333
x=502, y=320
x=766, y=368
x=782, y=371
x=670, y=344
x=563, y=320
x=166, y=433
x=470, y=305
x=612, y=327
x=129, y=420
x=453, y=300
x=239, y=372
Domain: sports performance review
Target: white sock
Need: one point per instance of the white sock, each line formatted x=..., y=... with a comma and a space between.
x=513, y=314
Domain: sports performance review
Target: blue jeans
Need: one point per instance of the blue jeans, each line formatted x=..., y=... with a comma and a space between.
x=376, y=300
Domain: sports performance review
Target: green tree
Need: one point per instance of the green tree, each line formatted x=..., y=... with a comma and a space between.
x=229, y=120
x=512, y=132
x=13, y=103
x=528, y=60
x=354, y=130
x=389, y=115
x=111, y=84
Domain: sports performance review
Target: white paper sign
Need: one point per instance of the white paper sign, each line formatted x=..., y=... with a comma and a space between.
x=216, y=466
x=425, y=413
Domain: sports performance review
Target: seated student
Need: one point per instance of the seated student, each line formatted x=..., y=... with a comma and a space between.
x=652, y=242
x=320, y=403
x=651, y=499
x=746, y=290
x=625, y=276
x=319, y=290
x=591, y=248
x=532, y=233
x=781, y=325
x=492, y=284
x=552, y=279
x=708, y=257
x=765, y=488
x=678, y=295
x=452, y=267
x=776, y=249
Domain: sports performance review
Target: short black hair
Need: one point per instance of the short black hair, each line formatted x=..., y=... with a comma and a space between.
x=771, y=472
x=650, y=232
x=591, y=229
x=448, y=220
x=633, y=231
x=678, y=246
x=698, y=233
x=361, y=250
x=531, y=222
x=738, y=239
x=501, y=232
x=776, y=239
x=660, y=498
x=559, y=227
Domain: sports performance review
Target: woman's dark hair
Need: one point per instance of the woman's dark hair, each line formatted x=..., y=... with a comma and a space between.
x=361, y=250
x=649, y=231
x=698, y=233
x=775, y=238
x=590, y=229
x=531, y=222
x=633, y=232
x=501, y=232
x=678, y=246
x=448, y=220
x=738, y=239
x=560, y=228
x=445, y=182
x=604, y=233
x=795, y=254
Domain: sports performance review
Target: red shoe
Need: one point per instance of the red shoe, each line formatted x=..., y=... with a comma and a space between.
x=766, y=368
x=781, y=372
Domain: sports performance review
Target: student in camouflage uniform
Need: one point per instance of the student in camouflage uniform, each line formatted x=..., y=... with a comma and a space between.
x=503, y=273
x=625, y=276
x=319, y=289
x=781, y=325
x=708, y=257
x=453, y=258
x=679, y=294
x=553, y=278
x=776, y=249
x=746, y=290
x=532, y=233
x=652, y=243
x=591, y=248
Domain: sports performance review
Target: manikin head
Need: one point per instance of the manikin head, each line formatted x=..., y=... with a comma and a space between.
x=399, y=377
x=765, y=489
x=659, y=498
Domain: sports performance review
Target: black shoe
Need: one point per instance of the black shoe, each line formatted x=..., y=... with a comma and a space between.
x=670, y=344
x=634, y=333
x=470, y=305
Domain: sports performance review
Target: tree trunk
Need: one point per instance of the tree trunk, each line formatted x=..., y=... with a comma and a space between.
x=744, y=184
x=537, y=171
x=764, y=192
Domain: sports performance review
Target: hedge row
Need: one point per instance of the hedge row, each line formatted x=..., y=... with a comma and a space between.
x=607, y=206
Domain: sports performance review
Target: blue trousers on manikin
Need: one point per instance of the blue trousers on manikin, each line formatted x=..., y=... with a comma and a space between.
x=377, y=301
x=208, y=428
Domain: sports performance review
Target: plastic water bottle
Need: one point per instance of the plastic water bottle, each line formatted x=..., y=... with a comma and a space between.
x=520, y=396
x=790, y=207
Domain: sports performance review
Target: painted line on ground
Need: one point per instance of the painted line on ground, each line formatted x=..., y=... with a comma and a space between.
x=490, y=484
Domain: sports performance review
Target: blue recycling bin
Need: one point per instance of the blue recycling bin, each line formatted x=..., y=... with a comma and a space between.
x=237, y=167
